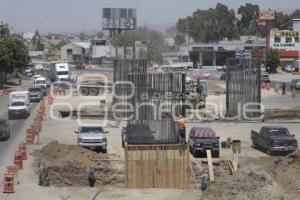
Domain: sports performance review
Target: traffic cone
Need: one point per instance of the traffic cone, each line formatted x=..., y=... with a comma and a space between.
x=18, y=160
x=14, y=170
x=8, y=185
x=268, y=86
x=294, y=94
x=23, y=150
x=263, y=85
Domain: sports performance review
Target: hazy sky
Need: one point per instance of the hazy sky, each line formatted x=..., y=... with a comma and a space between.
x=80, y=15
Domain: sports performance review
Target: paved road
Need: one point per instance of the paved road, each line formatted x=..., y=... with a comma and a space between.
x=17, y=133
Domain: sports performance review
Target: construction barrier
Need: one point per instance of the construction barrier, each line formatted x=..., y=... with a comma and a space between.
x=8, y=185
x=157, y=166
x=18, y=161
x=23, y=150
x=14, y=170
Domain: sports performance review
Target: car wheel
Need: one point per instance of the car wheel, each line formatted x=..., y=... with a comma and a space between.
x=104, y=150
x=194, y=152
x=269, y=151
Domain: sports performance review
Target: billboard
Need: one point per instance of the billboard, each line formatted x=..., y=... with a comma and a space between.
x=119, y=18
x=266, y=15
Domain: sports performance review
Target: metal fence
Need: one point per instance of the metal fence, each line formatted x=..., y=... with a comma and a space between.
x=243, y=88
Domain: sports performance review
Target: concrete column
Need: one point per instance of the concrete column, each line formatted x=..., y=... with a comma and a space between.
x=200, y=59
x=214, y=58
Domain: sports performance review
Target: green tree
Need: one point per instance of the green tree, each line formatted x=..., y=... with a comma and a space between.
x=153, y=39
x=273, y=60
x=247, y=25
x=13, y=55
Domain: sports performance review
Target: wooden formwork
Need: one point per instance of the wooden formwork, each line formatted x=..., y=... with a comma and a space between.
x=157, y=166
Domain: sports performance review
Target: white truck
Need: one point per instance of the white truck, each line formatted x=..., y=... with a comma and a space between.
x=19, y=103
x=62, y=71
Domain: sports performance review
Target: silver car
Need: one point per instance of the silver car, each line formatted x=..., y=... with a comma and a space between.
x=92, y=137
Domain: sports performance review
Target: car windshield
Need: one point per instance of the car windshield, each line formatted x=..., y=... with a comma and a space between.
x=92, y=130
x=62, y=73
x=265, y=76
x=40, y=82
x=18, y=103
x=279, y=132
x=34, y=89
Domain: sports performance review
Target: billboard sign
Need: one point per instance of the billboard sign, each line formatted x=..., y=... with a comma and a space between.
x=266, y=15
x=119, y=18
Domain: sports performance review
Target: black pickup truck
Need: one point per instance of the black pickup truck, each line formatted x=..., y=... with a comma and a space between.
x=274, y=139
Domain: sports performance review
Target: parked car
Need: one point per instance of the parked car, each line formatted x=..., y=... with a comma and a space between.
x=221, y=68
x=35, y=93
x=274, y=139
x=137, y=134
x=4, y=130
x=92, y=137
x=264, y=78
x=80, y=67
x=28, y=71
x=289, y=68
x=202, y=139
x=295, y=84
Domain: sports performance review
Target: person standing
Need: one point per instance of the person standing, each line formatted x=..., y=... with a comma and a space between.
x=283, y=87
x=92, y=177
x=182, y=126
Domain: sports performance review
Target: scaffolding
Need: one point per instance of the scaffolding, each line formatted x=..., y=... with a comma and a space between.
x=243, y=88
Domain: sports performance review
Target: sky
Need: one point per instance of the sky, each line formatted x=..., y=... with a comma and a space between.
x=66, y=16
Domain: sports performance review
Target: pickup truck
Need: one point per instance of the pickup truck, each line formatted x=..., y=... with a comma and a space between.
x=92, y=137
x=274, y=139
x=202, y=139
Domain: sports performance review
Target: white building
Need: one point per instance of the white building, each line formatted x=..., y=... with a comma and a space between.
x=284, y=40
x=76, y=52
x=100, y=51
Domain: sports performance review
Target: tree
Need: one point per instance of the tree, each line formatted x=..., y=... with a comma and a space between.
x=273, y=60
x=13, y=55
x=153, y=39
x=209, y=25
x=247, y=25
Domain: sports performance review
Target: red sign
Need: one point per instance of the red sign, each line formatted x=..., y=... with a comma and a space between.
x=266, y=15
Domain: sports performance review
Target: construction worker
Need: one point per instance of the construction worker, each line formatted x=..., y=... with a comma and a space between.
x=182, y=126
x=92, y=176
x=283, y=87
x=20, y=81
x=204, y=181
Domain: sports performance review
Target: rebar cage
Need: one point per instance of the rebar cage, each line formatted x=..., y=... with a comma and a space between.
x=243, y=93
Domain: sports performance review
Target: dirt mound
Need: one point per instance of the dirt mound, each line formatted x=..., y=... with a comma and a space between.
x=67, y=165
x=257, y=178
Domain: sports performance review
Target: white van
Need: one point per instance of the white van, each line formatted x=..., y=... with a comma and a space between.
x=18, y=105
x=41, y=81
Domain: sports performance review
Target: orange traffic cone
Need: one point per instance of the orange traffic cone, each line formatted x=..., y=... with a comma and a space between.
x=294, y=94
x=23, y=150
x=8, y=186
x=18, y=160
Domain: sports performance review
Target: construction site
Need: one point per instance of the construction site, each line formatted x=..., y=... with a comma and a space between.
x=145, y=156
x=122, y=115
